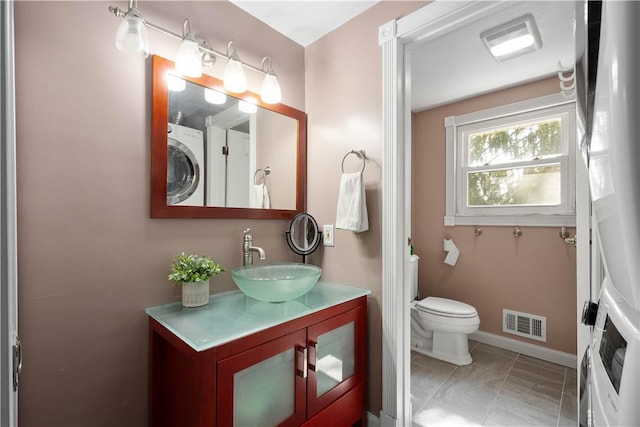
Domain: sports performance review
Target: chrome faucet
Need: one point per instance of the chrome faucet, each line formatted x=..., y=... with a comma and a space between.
x=248, y=248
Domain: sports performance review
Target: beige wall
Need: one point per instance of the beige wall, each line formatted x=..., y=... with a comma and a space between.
x=90, y=258
x=279, y=155
x=535, y=273
x=344, y=106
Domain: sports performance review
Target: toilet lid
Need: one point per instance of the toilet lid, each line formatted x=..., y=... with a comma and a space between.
x=446, y=307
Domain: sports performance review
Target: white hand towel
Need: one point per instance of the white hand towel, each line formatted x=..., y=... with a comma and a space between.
x=259, y=197
x=352, y=204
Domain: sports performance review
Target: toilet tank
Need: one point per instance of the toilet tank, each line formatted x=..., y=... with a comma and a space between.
x=413, y=276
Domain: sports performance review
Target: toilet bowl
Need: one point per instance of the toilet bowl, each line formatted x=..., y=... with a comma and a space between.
x=440, y=326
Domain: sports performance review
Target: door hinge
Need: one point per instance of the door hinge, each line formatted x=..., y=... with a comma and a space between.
x=17, y=363
x=225, y=151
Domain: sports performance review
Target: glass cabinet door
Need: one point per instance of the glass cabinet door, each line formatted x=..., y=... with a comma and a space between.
x=336, y=348
x=264, y=386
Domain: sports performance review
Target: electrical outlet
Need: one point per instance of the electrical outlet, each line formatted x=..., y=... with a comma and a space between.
x=327, y=235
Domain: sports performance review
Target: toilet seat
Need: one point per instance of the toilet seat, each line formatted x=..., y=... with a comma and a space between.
x=446, y=308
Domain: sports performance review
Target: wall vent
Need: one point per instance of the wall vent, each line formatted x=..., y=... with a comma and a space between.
x=524, y=325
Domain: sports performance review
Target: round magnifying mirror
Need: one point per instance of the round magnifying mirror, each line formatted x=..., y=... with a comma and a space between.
x=303, y=236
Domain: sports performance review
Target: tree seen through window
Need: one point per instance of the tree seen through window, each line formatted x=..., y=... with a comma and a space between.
x=512, y=185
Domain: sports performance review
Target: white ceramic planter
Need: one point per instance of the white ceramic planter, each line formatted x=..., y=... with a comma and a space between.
x=195, y=294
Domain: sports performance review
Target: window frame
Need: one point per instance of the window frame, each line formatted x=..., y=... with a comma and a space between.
x=457, y=127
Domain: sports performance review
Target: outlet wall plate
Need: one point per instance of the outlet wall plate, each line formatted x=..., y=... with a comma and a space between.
x=328, y=235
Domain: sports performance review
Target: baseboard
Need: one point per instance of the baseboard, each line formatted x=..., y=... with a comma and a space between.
x=372, y=420
x=548, y=354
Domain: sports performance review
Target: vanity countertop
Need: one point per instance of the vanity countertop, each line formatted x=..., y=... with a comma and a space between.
x=233, y=315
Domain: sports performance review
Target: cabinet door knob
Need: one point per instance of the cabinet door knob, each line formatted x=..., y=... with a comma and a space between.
x=302, y=372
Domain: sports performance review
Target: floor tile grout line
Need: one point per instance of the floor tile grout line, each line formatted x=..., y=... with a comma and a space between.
x=564, y=381
x=513, y=362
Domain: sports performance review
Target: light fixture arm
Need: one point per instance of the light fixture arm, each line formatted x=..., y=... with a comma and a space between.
x=266, y=65
x=203, y=45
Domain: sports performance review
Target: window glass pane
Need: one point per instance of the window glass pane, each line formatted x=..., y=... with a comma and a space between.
x=533, y=185
x=513, y=143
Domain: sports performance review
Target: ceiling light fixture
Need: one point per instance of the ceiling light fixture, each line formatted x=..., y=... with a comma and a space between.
x=513, y=38
x=132, y=38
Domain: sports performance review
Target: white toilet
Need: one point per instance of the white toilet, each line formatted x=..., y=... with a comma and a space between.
x=440, y=326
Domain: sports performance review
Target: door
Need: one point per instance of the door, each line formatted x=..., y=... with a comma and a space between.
x=336, y=358
x=239, y=173
x=10, y=353
x=264, y=386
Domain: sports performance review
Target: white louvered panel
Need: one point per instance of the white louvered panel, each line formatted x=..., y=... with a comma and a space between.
x=524, y=325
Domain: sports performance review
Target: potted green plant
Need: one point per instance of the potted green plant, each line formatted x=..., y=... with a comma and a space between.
x=193, y=273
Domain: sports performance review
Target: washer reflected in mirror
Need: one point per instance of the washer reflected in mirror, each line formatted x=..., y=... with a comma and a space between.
x=304, y=235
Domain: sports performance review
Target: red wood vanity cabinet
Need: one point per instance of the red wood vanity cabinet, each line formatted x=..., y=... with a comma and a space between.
x=307, y=371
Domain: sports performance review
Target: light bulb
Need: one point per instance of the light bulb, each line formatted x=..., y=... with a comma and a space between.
x=132, y=36
x=214, y=97
x=513, y=45
x=234, y=78
x=189, y=61
x=270, y=92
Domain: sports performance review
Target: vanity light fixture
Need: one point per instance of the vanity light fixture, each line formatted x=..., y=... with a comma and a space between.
x=207, y=58
x=132, y=38
x=214, y=97
x=513, y=38
x=234, y=79
x=189, y=60
x=247, y=107
x=175, y=83
x=271, y=93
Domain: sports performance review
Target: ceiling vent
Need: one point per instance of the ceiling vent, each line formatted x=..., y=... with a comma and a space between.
x=513, y=38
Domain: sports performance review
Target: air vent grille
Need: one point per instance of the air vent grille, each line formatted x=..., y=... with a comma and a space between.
x=524, y=325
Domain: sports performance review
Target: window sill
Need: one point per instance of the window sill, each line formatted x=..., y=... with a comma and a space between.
x=524, y=220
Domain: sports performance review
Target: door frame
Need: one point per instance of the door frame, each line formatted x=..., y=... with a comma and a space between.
x=8, y=214
x=396, y=38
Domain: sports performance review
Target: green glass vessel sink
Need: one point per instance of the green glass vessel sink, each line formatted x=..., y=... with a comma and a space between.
x=276, y=282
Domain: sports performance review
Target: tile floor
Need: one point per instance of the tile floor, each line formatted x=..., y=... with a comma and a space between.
x=500, y=388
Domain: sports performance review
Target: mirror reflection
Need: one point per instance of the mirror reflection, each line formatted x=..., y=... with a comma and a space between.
x=217, y=155
x=227, y=152
x=304, y=235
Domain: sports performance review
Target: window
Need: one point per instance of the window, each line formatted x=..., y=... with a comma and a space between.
x=512, y=165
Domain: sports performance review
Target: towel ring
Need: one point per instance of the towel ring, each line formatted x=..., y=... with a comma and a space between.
x=360, y=154
x=265, y=171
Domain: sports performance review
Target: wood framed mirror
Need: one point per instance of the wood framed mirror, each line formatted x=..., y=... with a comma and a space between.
x=211, y=157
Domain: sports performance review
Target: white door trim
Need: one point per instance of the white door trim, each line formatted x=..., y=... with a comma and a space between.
x=8, y=239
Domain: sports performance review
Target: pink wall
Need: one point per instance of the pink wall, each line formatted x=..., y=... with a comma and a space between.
x=90, y=258
x=344, y=106
x=535, y=273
